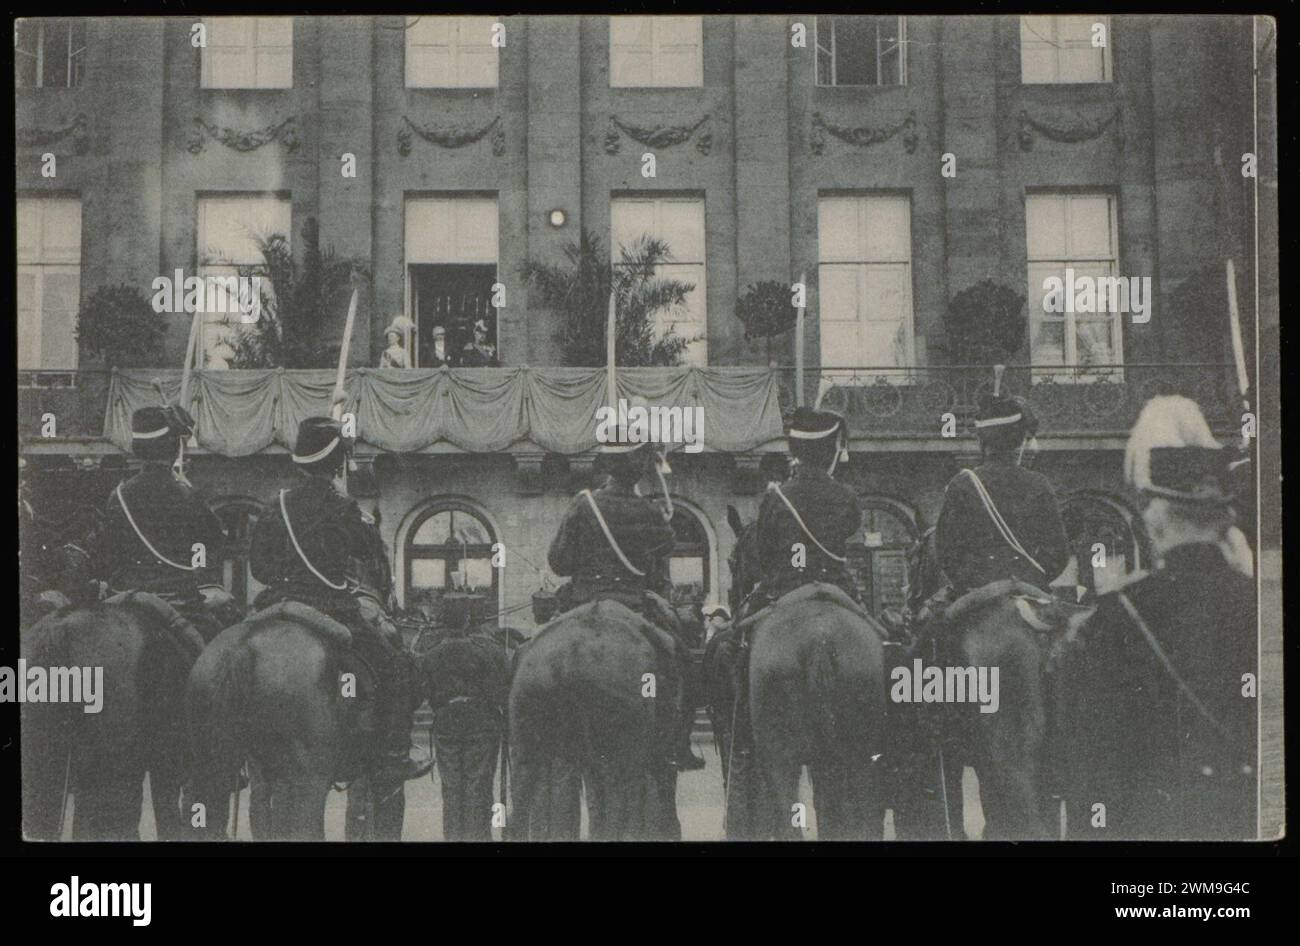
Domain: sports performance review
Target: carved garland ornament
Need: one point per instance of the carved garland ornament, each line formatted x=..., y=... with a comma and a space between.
x=451, y=136
x=286, y=132
x=660, y=136
x=1072, y=134
x=43, y=137
x=862, y=137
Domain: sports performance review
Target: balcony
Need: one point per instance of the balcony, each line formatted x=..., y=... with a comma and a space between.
x=242, y=412
x=1099, y=401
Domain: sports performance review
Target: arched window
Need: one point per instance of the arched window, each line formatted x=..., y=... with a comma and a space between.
x=688, y=566
x=1107, y=542
x=877, y=554
x=448, y=548
x=238, y=517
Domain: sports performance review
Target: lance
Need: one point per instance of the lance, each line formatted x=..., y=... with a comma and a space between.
x=611, y=376
x=337, y=401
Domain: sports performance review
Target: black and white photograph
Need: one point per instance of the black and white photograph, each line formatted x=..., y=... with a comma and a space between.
x=652, y=427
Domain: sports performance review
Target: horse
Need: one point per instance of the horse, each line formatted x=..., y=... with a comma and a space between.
x=1020, y=632
x=101, y=758
x=594, y=700
x=817, y=698
x=284, y=691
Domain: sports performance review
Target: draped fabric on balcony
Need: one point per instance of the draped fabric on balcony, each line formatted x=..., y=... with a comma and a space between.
x=479, y=409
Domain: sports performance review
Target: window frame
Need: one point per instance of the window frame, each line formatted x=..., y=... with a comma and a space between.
x=204, y=268
x=697, y=353
x=41, y=267
x=1071, y=370
x=454, y=46
x=410, y=550
x=904, y=373
x=655, y=81
x=74, y=26
x=1107, y=65
x=205, y=60
x=831, y=51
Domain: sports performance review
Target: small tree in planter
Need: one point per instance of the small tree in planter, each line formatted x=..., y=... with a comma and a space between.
x=119, y=324
x=579, y=289
x=985, y=324
x=288, y=334
x=767, y=310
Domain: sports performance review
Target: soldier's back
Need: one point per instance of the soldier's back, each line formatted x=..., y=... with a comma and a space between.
x=1166, y=768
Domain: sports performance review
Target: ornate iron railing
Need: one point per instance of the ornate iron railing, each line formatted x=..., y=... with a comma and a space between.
x=1094, y=401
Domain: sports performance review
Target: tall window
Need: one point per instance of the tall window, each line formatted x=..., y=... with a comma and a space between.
x=861, y=50
x=450, y=52
x=1075, y=232
x=1064, y=49
x=865, y=275
x=656, y=51
x=449, y=548
x=678, y=222
x=248, y=52
x=49, y=281
x=49, y=53
x=229, y=227
x=451, y=265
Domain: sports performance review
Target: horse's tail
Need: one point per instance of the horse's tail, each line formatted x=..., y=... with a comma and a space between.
x=47, y=736
x=826, y=690
x=216, y=701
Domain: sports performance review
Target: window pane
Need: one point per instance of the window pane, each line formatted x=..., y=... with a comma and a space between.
x=837, y=229
x=56, y=55
x=681, y=226
x=1075, y=29
x=630, y=31
x=841, y=346
x=1095, y=344
x=436, y=530
x=855, y=50
x=428, y=573
x=839, y=292
x=60, y=297
x=1048, y=343
x=1090, y=227
x=478, y=573
x=887, y=229
x=468, y=529
x=1082, y=64
x=26, y=37
x=29, y=317
x=686, y=571
x=274, y=68
x=1045, y=226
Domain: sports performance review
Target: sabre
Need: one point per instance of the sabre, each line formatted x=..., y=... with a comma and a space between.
x=798, y=343
x=336, y=404
x=192, y=350
x=1238, y=350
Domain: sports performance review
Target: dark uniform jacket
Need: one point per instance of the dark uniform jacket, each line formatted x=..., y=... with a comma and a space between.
x=1135, y=743
x=469, y=678
x=172, y=516
x=472, y=356
x=831, y=512
x=340, y=541
x=972, y=552
x=580, y=549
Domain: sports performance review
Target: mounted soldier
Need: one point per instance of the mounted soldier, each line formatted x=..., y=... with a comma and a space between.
x=1000, y=520
x=318, y=548
x=156, y=533
x=1164, y=730
x=613, y=541
x=805, y=523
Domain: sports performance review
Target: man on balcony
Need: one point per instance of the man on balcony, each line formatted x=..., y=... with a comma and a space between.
x=317, y=547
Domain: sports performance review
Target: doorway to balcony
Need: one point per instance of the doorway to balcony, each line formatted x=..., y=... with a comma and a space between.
x=452, y=296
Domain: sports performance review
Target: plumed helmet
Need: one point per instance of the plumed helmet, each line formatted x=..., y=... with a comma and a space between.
x=1003, y=422
x=1172, y=453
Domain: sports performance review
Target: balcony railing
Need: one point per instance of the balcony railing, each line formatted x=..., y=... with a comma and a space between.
x=878, y=402
x=1099, y=400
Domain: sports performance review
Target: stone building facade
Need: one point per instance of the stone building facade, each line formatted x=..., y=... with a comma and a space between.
x=962, y=149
